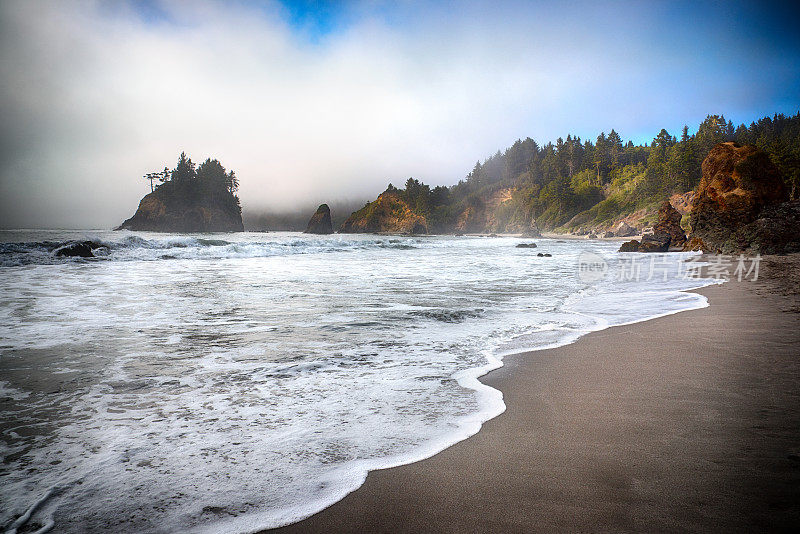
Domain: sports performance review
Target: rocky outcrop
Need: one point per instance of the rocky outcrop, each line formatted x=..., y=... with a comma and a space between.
x=682, y=202
x=739, y=203
x=526, y=245
x=655, y=243
x=165, y=210
x=532, y=231
x=630, y=246
x=695, y=244
x=388, y=213
x=320, y=222
x=669, y=222
x=649, y=243
x=667, y=232
x=78, y=249
x=623, y=229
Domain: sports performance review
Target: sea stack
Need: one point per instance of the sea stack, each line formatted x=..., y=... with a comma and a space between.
x=190, y=199
x=741, y=204
x=320, y=222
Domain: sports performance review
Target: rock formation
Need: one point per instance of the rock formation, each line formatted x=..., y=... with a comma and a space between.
x=665, y=233
x=630, y=246
x=655, y=243
x=388, y=213
x=741, y=203
x=78, y=249
x=533, y=231
x=320, y=222
x=669, y=222
x=526, y=245
x=165, y=211
x=623, y=229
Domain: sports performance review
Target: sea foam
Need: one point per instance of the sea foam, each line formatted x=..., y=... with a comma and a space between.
x=233, y=382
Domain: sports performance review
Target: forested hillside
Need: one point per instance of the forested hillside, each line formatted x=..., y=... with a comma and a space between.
x=575, y=183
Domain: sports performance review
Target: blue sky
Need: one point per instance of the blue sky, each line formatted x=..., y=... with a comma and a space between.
x=316, y=102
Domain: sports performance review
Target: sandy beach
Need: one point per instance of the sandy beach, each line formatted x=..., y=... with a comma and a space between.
x=689, y=422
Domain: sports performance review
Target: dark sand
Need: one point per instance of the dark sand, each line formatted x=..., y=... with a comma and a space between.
x=689, y=422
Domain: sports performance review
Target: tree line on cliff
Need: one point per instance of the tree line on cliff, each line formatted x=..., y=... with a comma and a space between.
x=576, y=182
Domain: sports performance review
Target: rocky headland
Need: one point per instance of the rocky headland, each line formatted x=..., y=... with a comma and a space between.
x=388, y=213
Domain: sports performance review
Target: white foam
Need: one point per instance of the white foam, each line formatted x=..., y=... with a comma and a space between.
x=197, y=386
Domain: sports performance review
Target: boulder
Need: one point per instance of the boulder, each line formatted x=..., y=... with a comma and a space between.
x=650, y=243
x=526, y=245
x=77, y=249
x=669, y=222
x=623, y=229
x=544, y=255
x=739, y=186
x=320, y=222
x=655, y=242
x=630, y=246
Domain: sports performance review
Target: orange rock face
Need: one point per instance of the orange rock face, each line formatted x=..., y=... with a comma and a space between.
x=738, y=183
x=388, y=213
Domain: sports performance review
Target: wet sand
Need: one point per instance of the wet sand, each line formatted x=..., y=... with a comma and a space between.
x=689, y=422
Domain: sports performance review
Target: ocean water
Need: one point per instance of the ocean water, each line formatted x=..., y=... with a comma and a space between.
x=232, y=382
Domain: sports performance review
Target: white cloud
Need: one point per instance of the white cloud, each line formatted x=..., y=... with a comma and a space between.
x=94, y=97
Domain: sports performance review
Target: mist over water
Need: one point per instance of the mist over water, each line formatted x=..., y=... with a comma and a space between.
x=230, y=382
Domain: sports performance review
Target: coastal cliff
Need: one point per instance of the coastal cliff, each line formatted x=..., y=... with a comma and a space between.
x=390, y=212
x=190, y=200
x=605, y=187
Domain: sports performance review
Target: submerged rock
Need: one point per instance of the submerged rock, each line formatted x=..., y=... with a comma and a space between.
x=526, y=245
x=320, y=222
x=78, y=249
x=544, y=255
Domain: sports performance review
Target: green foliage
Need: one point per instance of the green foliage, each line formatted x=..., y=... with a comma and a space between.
x=187, y=184
x=573, y=182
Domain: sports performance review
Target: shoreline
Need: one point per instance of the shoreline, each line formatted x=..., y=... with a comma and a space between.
x=485, y=482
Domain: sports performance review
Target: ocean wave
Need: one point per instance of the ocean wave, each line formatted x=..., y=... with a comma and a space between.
x=176, y=247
